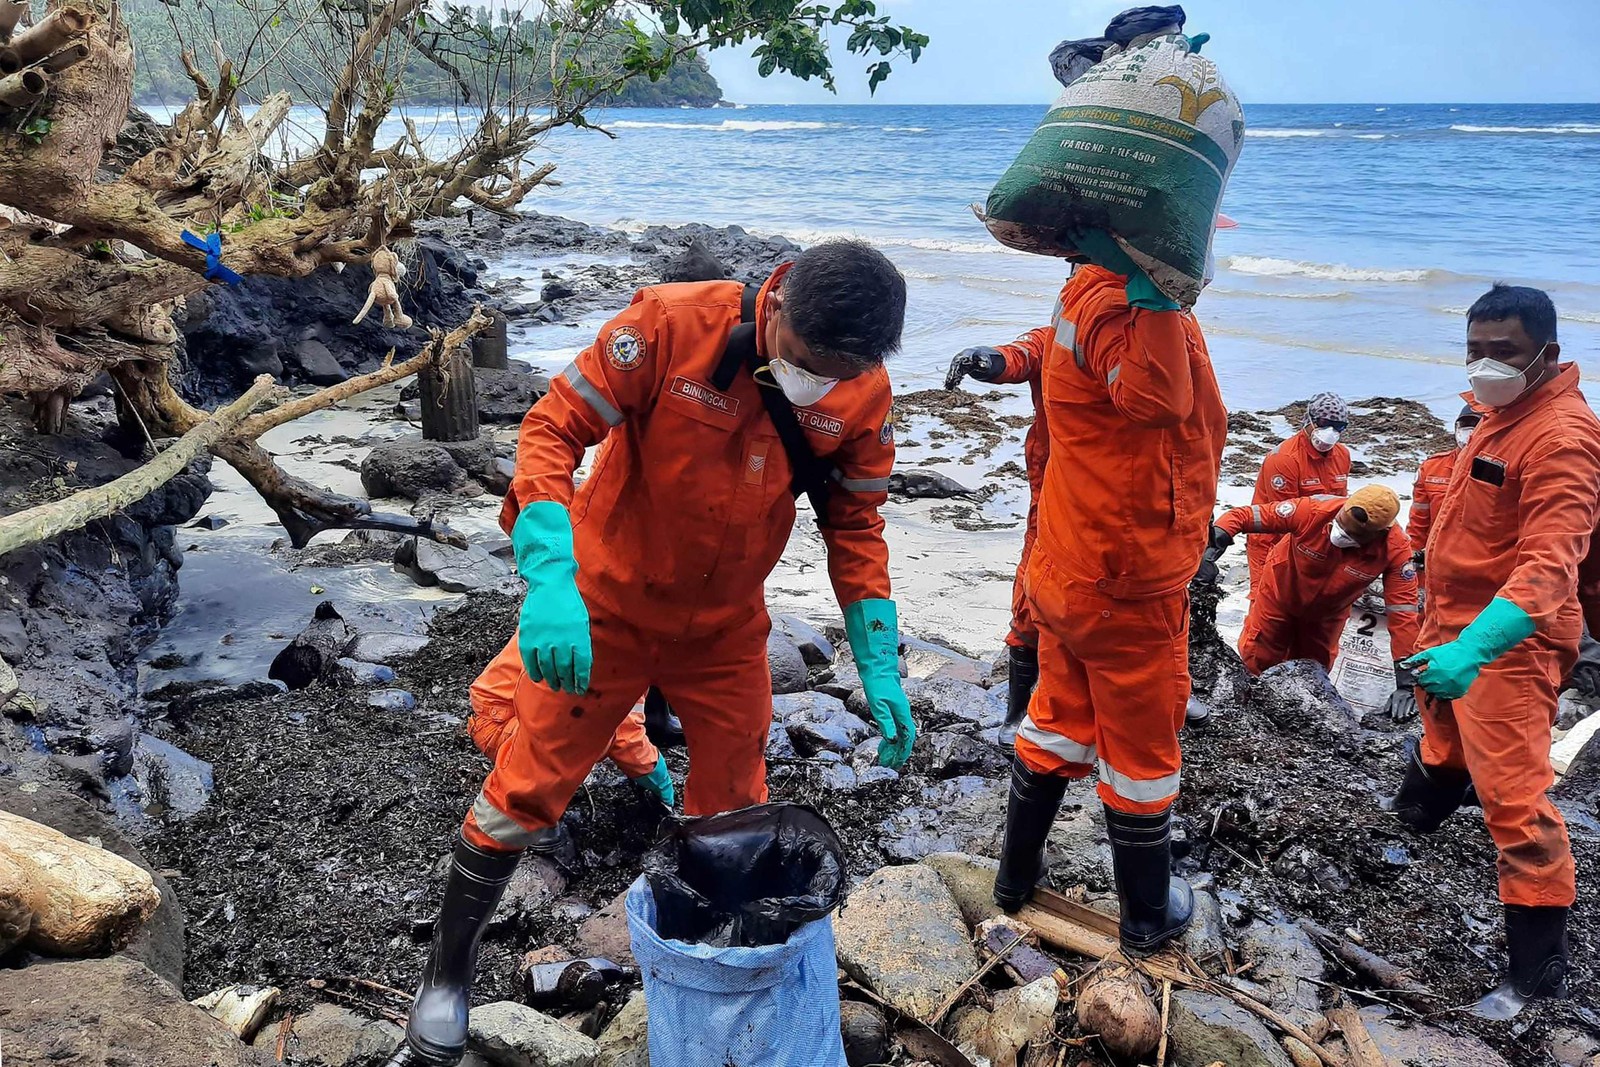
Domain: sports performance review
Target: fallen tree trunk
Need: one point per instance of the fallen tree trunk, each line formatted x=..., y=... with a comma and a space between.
x=48, y=520
x=82, y=899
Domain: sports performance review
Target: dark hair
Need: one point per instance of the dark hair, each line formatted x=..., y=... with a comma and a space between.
x=1531, y=306
x=846, y=301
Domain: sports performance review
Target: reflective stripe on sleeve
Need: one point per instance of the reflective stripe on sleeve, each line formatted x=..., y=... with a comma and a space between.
x=1055, y=744
x=1255, y=517
x=1145, y=791
x=1399, y=608
x=860, y=485
x=592, y=396
x=1116, y=372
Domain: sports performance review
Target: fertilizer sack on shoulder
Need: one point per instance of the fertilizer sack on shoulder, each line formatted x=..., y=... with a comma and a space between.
x=1141, y=145
x=745, y=878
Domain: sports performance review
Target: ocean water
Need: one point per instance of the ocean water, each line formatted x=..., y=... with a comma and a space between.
x=1364, y=231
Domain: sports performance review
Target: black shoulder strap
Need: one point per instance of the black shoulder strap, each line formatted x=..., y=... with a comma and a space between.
x=812, y=476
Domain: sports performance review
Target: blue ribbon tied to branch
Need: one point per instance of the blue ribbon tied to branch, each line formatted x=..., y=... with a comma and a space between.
x=211, y=245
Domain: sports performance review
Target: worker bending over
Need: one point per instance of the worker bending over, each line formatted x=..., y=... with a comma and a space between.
x=1502, y=624
x=1330, y=552
x=1312, y=463
x=1136, y=427
x=713, y=405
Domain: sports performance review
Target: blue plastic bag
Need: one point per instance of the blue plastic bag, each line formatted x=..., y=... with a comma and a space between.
x=771, y=1006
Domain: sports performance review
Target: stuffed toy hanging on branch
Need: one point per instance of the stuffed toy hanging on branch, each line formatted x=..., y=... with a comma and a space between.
x=384, y=292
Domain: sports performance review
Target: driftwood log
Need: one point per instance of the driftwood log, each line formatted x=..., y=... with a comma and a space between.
x=82, y=899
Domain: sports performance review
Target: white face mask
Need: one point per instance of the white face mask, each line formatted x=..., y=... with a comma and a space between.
x=1340, y=538
x=1323, y=438
x=1499, y=384
x=1463, y=435
x=798, y=384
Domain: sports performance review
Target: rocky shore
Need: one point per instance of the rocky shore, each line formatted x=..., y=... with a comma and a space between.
x=298, y=832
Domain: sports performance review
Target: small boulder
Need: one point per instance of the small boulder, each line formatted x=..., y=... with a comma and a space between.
x=1287, y=963
x=316, y=363
x=925, y=485
x=241, y=1008
x=1418, y=1045
x=515, y=1035
x=410, y=468
x=1203, y=939
x=694, y=264
x=172, y=781
x=387, y=646
x=953, y=754
x=786, y=665
x=814, y=646
x=353, y=672
x=337, y=1037
x=927, y=659
x=315, y=652
x=1302, y=694
x=867, y=1035
x=626, y=1042
x=391, y=700
x=839, y=778
x=455, y=570
x=1207, y=1029
x=504, y=396
x=901, y=934
x=819, y=728
x=605, y=933
x=965, y=814
x=943, y=701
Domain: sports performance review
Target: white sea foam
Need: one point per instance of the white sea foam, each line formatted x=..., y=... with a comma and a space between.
x=725, y=126
x=1267, y=266
x=1286, y=133
x=1565, y=128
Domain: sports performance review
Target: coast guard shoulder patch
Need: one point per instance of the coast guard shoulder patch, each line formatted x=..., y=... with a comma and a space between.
x=1409, y=571
x=625, y=349
x=886, y=435
x=1279, y=482
x=1285, y=509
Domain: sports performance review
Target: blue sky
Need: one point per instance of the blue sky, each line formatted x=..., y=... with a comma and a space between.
x=1271, y=51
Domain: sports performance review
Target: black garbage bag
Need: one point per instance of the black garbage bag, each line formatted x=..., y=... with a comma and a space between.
x=1071, y=60
x=745, y=878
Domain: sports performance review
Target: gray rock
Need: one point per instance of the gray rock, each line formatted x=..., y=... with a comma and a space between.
x=970, y=880
x=1078, y=851
x=1203, y=940
x=172, y=781
x=337, y=1037
x=410, y=468
x=316, y=363
x=626, y=1042
x=839, y=778
x=959, y=815
x=843, y=681
x=943, y=701
x=868, y=1037
x=111, y=1012
x=504, y=396
x=455, y=570
x=839, y=732
x=952, y=755
x=925, y=485
x=1573, y=1048
x=315, y=652
x=514, y=1035
x=1207, y=1029
x=901, y=934
x=393, y=700
x=876, y=775
x=1305, y=693
x=386, y=646
x=814, y=647
x=605, y=933
x=778, y=744
x=787, y=666
x=1424, y=1046
x=809, y=706
x=536, y=884
x=1285, y=960
x=694, y=264
x=927, y=659
x=354, y=672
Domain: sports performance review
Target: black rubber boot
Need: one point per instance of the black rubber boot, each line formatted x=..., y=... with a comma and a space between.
x=1428, y=795
x=436, y=1034
x=1537, y=941
x=660, y=725
x=1023, y=676
x=1031, y=811
x=1156, y=907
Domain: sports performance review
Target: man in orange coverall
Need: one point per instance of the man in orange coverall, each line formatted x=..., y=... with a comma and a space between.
x=699, y=394
x=1136, y=428
x=1334, y=549
x=1311, y=463
x=1502, y=623
x=1433, y=478
x=1021, y=361
x=494, y=722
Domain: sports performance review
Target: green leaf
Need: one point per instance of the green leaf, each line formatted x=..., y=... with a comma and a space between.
x=875, y=75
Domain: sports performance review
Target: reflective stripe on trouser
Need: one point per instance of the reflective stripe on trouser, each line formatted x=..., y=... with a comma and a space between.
x=719, y=686
x=1268, y=640
x=493, y=720
x=1113, y=687
x=1500, y=732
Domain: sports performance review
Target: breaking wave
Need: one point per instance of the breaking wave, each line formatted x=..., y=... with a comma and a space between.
x=1567, y=128
x=725, y=126
x=1267, y=266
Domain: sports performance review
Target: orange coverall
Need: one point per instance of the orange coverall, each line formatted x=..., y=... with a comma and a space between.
x=1433, y=478
x=1295, y=469
x=1309, y=584
x=494, y=721
x=1136, y=428
x=687, y=510
x=1515, y=523
x=1025, y=363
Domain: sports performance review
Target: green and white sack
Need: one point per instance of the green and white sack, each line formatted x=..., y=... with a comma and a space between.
x=1141, y=145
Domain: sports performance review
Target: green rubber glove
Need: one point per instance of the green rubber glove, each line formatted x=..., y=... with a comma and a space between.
x=1103, y=250
x=874, y=634
x=553, y=631
x=1449, y=670
x=658, y=783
